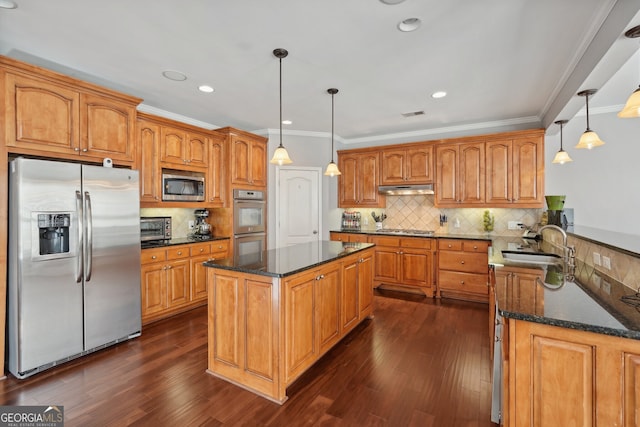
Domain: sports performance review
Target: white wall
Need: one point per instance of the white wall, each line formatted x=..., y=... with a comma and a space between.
x=602, y=184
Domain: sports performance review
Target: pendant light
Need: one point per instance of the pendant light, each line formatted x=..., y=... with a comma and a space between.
x=632, y=107
x=280, y=156
x=562, y=156
x=332, y=168
x=589, y=138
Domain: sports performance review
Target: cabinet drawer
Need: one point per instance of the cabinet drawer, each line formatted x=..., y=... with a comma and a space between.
x=385, y=240
x=220, y=246
x=449, y=245
x=464, y=262
x=464, y=282
x=148, y=256
x=200, y=249
x=416, y=243
x=179, y=252
x=475, y=246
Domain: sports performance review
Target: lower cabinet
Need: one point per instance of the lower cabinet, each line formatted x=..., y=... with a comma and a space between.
x=463, y=270
x=403, y=261
x=173, y=278
x=264, y=332
x=560, y=376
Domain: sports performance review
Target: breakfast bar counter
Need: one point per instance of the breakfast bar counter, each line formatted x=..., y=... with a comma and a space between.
x=274, y=313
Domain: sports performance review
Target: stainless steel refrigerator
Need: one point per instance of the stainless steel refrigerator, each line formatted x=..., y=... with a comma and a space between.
x=74, y=261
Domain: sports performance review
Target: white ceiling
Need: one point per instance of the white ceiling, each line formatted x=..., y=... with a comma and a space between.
x=503, y=63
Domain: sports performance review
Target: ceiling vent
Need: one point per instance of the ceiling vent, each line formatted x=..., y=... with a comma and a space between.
x=413, y=113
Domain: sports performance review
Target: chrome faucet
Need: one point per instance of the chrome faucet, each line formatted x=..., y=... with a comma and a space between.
x=568, y=251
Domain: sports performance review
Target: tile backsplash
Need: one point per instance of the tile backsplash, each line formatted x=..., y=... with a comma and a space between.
x=419, y=212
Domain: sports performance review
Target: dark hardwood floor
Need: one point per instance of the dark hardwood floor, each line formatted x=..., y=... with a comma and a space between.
x=419, y=362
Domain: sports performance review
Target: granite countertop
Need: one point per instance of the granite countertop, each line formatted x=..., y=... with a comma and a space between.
x=179, y=241
x=580, y=298
x=289, y=260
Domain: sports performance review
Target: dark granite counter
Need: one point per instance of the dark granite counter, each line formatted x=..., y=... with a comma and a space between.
x=179, y=241
x=578, y=298
x=289, y=260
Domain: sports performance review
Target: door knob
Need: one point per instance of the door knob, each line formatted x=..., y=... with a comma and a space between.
x=315, y=231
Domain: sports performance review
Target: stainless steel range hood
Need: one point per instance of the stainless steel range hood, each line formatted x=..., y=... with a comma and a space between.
x=406, y=190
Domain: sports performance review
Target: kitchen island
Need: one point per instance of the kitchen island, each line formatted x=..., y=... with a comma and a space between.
x=273, y=314
x=567, y=344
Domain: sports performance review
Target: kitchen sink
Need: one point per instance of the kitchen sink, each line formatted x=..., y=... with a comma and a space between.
x=532, y=257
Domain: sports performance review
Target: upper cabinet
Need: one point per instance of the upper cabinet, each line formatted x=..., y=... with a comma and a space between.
x=515, y=172
x=183, y=149
x=460, y=172
x=218, y=171
x=407, y=166
x=248, y=158
x=47, y=113
x=358, y=183
x=149, y=161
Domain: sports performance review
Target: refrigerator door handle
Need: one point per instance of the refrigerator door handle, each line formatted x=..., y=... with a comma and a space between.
x=89, y=232
x=79, y=212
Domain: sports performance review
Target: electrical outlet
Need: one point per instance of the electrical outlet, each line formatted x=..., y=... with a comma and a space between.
x=606, y=262
x=596, y=280
x=596, y=258
x=366, y=220
x=191, y=225
x=606, y=286
x=514, y=225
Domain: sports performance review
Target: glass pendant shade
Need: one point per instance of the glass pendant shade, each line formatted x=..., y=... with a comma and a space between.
x=332, y=169
x=281, y=157
x=562, y=157
x=632, y=107
x=589, y=139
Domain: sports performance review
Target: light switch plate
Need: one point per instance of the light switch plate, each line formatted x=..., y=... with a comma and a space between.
x=606, y=262
x=596, y=258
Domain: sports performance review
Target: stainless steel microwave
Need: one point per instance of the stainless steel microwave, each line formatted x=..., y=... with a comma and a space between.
x=187, y=187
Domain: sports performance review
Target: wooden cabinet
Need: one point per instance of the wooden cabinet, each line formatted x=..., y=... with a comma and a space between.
x=247, y=158
x=357, y=291
x=217, y=186
x=200, y=253
x=463, y=269
x=348, y=237
x=561, y=376
x=359, y=181
x=53, y=115
x=312, y=317
x=460, y=175
x=148, y=162
x=403, y=262
x=183, y=149
x=515, y=172
x=173, y=278
x=519, y=287
x=412, y=165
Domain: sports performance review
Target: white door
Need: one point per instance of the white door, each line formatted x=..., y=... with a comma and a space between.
x=297, y=205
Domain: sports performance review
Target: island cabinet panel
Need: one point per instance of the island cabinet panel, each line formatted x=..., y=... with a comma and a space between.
x=265, y=332
x=243, y=331
x=561, y=376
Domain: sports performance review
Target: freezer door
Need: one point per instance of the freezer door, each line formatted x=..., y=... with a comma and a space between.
x=44, y=297
x=112, y=254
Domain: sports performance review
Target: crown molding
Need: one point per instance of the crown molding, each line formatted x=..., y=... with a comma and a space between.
x=173, y=116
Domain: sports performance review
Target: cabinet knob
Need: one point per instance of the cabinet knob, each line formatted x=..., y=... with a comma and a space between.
x=169, y=267
x=201, y=249
x=153, y=257
x=449, y=245
x=461, y=262
x=84, y=150
x=462, y=282
x=179, y=252
x=475, y=247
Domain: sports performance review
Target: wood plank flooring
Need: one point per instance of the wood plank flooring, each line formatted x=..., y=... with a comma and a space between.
x=419, y=362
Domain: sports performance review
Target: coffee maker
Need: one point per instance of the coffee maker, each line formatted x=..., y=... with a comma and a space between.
x=201, y=227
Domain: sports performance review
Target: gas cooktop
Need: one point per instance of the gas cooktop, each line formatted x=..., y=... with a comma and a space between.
x=406, y=231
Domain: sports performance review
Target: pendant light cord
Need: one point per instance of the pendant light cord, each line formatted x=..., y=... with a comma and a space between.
x=281, y=102
x=332, y=127
x=587, y=97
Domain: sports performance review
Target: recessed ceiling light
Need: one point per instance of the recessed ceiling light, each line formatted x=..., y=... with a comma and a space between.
x=391, y=1
x=205, y=88
x=174, y=75
x=8, y=4
x=439, y=94
x=409, y=24
x=287, y=122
